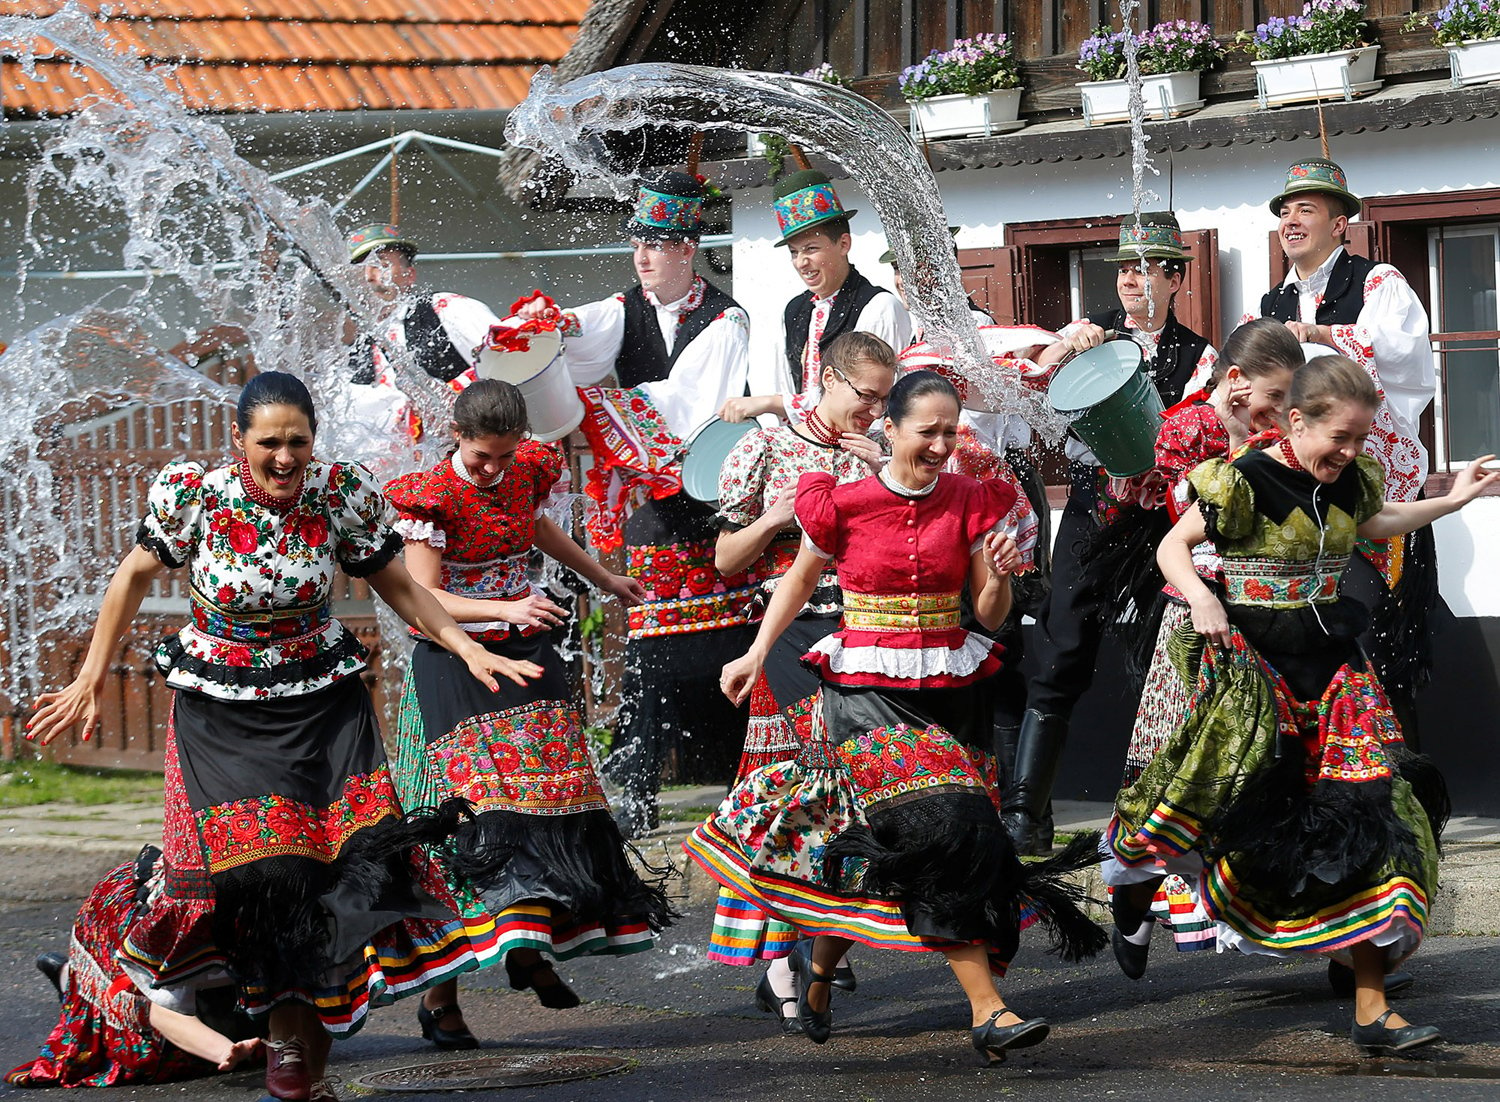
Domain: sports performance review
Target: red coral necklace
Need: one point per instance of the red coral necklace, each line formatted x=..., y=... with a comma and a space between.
x=1289, y=455
x=821, y=430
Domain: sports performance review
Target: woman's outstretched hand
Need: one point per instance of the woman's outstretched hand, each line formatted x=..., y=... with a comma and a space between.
x=484, y=666
x=738, y=677
x=1001, y=554
x=57, y=712
x=1472, y=481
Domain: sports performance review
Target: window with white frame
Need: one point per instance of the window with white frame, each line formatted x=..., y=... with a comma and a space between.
x=1464, y=274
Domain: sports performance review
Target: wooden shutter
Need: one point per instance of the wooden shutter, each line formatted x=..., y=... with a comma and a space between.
x=993, y=279
x=1360, y=240
x=1197, y=304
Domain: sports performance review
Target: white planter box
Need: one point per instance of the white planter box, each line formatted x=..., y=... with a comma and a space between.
x=963, y=116
x=1342, y=74
x=1166, y=96
x=1475, y=62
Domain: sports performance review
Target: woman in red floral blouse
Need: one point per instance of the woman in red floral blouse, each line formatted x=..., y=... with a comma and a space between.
x=542, y=864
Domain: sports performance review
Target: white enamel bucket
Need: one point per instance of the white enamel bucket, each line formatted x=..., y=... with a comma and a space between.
x=552, y=403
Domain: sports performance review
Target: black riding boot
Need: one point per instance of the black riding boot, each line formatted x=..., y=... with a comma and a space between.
x=1027, y=806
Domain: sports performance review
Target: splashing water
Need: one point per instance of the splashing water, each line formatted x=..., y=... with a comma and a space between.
x=1140, y=159
x=567, y=121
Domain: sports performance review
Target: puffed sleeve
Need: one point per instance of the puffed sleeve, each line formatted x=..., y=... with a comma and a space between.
x=1225, y=497
x=1371, y=497
x=419, y=513
x=990, y=503
x=546, y=465
x=363, y=542
x=742, y=483
x=174, y=506
x=817, y=513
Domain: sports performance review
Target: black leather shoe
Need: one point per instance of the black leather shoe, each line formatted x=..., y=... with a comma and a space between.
x=1378, y=1040
x=844, y=979
x=449, y=1040
x=1341, y=979
x=554, y=996
x=816, y=1024
x=992, y=1041
x=1130, y=956
x=772, y=1003
x=51, y=965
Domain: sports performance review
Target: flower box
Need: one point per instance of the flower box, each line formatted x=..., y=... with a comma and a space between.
x=1475, y=62
x=1166, y=96
x=965, y=116
x=1341, y=74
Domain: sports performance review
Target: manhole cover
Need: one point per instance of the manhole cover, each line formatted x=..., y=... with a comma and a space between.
x=529, y=1070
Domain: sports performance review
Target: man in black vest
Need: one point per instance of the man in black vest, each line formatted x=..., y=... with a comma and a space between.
x=1369, y=313
x=815, y=233
x=1070, y=625
x=678, y=347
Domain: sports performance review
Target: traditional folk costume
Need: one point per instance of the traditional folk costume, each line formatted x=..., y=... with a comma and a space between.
x=1072, y=620
x=103, y=1036
x=1376, y=320
x=885, y=828
x=766, y=464
x=441, y=331
x=1287, y=781
x=809, y=323
x=289, y=862
x=678, y=362
x=542, y=854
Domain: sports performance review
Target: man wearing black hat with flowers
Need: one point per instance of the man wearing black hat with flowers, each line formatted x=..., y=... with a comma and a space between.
x=1070, y=625
x=1369, y=313
x=441, y=331
x=678, y=347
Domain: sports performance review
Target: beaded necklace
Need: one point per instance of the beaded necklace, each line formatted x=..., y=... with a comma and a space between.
x=1289, y=455
x=254, y=492
x=821, y=430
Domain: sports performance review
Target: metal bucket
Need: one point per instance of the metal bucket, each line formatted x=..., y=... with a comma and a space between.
x=538, y=371
x=1113, y=404
x=707, y=449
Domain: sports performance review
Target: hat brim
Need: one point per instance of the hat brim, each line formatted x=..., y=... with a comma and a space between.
x=365, y=248
x=1351, y=202
x=639, y=231
x=815, y=223
x=1125, y=256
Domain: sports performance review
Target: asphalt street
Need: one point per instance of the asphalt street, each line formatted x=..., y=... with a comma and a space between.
x=1199, y=1026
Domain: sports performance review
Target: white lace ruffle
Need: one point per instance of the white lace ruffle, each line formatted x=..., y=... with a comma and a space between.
x=905, y=665
x=420, y=531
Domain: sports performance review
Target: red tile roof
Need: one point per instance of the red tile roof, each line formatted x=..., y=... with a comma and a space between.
x=312, y=55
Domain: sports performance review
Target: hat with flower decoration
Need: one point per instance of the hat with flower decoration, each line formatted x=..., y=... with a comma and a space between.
x=668, y=208
x=803, y=200
x=1317, y=174
x=1153, y=235
x=378, y=235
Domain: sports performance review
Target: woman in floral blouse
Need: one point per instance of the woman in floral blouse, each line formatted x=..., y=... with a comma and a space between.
x=757, y=491
x=542, y=863
x=309, y=889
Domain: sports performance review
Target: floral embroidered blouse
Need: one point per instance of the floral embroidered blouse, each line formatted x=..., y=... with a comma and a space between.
x=485, y=533
x=763, y=466
x=903, y=558
x=261, y=572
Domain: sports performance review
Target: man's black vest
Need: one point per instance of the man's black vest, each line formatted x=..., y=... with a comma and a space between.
x=643, y=354
x=852, y=297
x=426, y=340
x=1343, y=298
x=1177, y=353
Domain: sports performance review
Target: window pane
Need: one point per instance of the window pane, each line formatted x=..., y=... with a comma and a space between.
x=1471, y=378
x=1096, y=281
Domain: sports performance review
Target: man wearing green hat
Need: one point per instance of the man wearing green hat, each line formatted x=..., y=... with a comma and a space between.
x=679, y=348
x=441, y=331
x=815, y=232
x=1152, y=261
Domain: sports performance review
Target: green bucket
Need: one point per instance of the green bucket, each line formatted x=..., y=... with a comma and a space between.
x=1115, y=408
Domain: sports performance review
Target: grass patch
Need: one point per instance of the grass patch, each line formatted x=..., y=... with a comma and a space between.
x=689, y=813
x=29, y=783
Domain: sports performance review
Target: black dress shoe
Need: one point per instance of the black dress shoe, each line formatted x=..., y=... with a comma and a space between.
x=1341, y=979
x=554, y=996
x=816, y=1024
x=449, y=1040
x=992, y=1041
x=772, y=1003
x=1378, y=1040
x=51, y=965
x=1130, y=956
x=844, y=979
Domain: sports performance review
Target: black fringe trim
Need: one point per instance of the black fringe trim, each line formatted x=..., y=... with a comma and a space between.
x=390, y=547
x=1403, y=644
x=580, y=861
x=1428, y=785
x=158, y=547
x=1121, y=557
x=171, y=655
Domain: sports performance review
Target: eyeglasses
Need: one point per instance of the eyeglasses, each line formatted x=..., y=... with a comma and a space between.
x=865, y=397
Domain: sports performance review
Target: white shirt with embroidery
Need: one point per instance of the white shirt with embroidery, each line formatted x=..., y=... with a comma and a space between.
x=883, y=316
x=710, y=370
x=1392, y=340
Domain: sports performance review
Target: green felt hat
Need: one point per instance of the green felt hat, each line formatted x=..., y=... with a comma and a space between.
x=1155, y=235
x=804, y=200
x=889, y=256
x=669, y=208
x=377, y=235
x=1316, y=174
